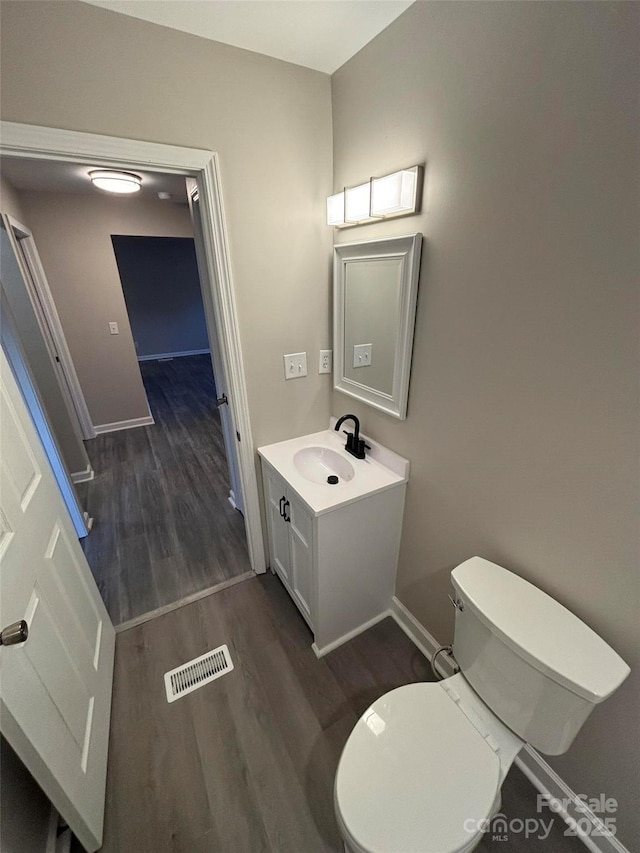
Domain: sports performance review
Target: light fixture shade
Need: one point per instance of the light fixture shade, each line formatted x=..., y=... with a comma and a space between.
x=335, y=209
x=396, y=193
x=357, y=201
x=111, y=181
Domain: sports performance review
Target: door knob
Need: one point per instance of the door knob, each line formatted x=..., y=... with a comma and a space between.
x=16, y=633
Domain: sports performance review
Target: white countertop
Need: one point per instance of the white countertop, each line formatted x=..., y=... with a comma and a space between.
x=382, y=469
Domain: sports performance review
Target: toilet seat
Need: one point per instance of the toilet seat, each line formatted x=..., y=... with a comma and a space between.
x=416, y=775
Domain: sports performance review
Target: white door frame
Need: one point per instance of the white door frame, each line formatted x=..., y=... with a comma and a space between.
x=47, y=314
x=47, y=143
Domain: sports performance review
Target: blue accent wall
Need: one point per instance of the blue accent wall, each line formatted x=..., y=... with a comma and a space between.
x=161, y=287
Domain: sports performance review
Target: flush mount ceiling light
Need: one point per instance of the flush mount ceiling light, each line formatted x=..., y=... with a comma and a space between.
x=111, y=181
x=397, y=194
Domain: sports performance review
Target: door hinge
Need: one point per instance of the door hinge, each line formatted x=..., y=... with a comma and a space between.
x=238, y=436
x=222, y=401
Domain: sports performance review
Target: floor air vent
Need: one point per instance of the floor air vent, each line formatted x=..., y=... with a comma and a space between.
x=188, y=677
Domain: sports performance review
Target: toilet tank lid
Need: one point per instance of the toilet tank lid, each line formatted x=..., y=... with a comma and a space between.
x=540, y=630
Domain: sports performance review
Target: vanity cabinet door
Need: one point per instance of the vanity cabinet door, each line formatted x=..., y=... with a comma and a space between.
x=278, y=527
x=301, y=524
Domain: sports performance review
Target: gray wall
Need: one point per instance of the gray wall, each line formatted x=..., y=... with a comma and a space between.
x=73, y=234
x=79, y=67
x=522, y=424
x=159, y=277
x=34, y=346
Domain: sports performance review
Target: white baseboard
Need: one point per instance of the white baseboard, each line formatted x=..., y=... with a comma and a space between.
x=158, y=355
x=420, y=637
x=118, y=425
x=83, y=476
x=582, y=821
x=321, y=652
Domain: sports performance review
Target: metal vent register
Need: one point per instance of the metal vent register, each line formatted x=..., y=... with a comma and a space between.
x=188, y=677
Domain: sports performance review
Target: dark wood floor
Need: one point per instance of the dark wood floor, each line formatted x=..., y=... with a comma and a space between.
x=163, y=528
x=247, y=763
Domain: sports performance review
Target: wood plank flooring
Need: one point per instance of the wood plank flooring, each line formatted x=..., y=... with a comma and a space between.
x=247, y=763
x=163, y=528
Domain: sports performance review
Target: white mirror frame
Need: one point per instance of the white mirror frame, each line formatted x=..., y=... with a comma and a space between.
x=407, y=249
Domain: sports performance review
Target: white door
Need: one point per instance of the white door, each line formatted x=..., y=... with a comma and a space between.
x=228, y=429
x=35, y=281
x=55, y=691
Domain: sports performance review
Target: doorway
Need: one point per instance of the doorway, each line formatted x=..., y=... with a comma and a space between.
x=167, y=528
x=202, y=167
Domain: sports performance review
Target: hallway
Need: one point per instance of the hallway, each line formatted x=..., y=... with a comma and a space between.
x=163, y=528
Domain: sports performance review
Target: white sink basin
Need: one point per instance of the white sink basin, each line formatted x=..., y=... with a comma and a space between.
x=316, y=464
x=305, y=463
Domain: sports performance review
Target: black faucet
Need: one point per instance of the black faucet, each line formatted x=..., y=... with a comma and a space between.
x=355, y=445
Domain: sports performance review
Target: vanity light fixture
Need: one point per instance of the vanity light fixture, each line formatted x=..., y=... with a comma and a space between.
x=357, y=203
x=397, y=194
x=335, y=209
x=110, y=181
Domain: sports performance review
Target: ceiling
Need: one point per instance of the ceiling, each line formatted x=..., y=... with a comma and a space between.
x=51, y=176
x=319, y=34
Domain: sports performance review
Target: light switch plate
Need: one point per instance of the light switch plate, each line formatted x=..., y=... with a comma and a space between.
x=295, y=365
x=113, y=329
x=326, y=361
x=362, y=355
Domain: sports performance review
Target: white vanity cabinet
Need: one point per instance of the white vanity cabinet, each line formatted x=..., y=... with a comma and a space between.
x=334, y=547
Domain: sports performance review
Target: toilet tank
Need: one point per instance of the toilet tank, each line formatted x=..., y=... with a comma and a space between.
x=538, y=667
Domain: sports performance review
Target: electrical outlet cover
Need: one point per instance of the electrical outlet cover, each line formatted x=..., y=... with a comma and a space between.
x=326, y=361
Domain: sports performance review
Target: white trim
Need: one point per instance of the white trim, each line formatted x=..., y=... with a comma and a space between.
x=46, y=143
x=83, y=476
x=158, y=355
x=321, y=652
x=188, y=599
x=52, y=143
x=130, y=424
x=419, y=636
x=70, y=384
x=214, y=232
x=541, y=775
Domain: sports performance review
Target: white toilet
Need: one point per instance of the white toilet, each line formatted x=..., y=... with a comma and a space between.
x=423, y=768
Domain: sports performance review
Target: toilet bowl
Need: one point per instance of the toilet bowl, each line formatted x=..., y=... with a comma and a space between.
x=423, y=768
x=422, y=771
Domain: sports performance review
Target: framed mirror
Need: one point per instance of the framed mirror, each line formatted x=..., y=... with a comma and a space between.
x=375, y=292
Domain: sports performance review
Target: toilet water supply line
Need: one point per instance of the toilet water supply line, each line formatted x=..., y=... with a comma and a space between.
x=438, y=651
